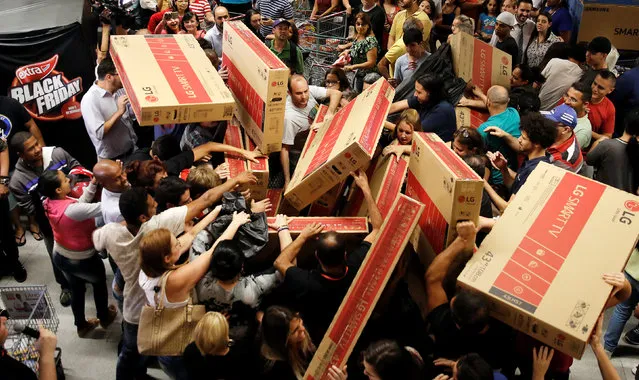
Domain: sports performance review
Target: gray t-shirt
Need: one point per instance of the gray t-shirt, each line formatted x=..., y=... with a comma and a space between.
x=560, y=74
x=298, y=120
x=612, y=165
x=402, y=70
x=583, y=132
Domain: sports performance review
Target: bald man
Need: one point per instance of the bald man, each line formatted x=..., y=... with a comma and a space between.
x=214, y=35
x=505, y=118
x=301, y=109
x=111, y=175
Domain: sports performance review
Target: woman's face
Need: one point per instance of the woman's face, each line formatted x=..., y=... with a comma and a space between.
x=332, y=82
x=369, y=371
x=461, y=149
x=542, y=24
x=65, y=183
x=181, y=5
x=158, y=178
x=361, y=27
x=173, y=23
x=492, y=6
x=191, y=25
x=256, y=20
x=425, y=7
x=297, y=331
x=421, y=94
x=508, y=6
x=404, y=133
x=515, y=80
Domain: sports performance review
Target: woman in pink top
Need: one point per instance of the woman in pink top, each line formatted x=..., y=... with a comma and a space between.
x=189, y=24
x=73, y=222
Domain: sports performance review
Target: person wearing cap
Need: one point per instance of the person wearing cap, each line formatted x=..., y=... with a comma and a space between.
x=505, y=23
x=11, y=369
x=284, y=48
x=522, y=30
x=560, y=74
x=214, y=35
x=596, y=55
x=565, y=152
x=578, y=97
x=272, y=10
x=602, y=112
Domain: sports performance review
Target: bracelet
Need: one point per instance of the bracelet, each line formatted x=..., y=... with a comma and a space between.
x=282, y=228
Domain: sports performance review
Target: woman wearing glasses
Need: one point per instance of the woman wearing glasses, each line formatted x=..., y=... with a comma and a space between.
x=205, y=357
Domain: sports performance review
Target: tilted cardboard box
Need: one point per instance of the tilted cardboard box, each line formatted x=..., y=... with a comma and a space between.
x=169, y=79
x=233, y=137
x=259, y=169
x=541, y=265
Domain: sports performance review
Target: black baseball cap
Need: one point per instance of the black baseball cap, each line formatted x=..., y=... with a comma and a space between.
x=600, y=45
x=4, y=313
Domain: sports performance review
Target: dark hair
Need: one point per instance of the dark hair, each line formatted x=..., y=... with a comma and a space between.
x=366, y=20
x=105, y=67
x=473, y=367
x=344, y=84
x=295, y=35
x=599, y=45
x=133, y=205
x=413, y=35
x=477, y=163
x=484, y=6
x=433, y=10
x=470, y=312
x=227, y=261
x=540, y=130
x=470, y=138
x=524, y=100
x=435, y=87
x=187, y=16
x=331, y=249
x=169, y=191
x=524, y=1
x=17, y=140
x=166, y=147
x=586, y=91
x=48, y=183
x=631, y=127
x=392, y=361
x=142, y=173
x=606, y=74
x=535, y=33
x=247, y=18
x=527, y=74
x=204, y=44
x=578, y=53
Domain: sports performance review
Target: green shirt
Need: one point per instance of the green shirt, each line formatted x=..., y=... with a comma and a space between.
x=285, y=56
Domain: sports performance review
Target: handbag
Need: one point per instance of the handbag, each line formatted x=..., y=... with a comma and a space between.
x=167, y=331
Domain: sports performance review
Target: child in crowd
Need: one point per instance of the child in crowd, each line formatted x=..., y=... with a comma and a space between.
x=488, y=19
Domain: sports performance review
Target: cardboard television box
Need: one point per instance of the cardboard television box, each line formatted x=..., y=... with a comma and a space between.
x=541, y=265
x=447, y=186
x=259, y=169
x=258, y=80
x=385, y=180
x=341, y=224
x=169, y=79
x=469, y=117
x=328, y=202
x=275, y=196
x=341, y=145
x=233, y=137
x=366, y=288
x=476, y=60
x=617, y=22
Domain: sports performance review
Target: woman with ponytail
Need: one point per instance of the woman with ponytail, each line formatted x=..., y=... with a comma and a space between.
x=616, y=161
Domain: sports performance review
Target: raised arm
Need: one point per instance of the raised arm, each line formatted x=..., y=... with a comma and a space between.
x=210, y=147
x=373, y=211
x=398, y=106
x=287, y=257
x=215, y=194
x=464, y=242
x=186, y=239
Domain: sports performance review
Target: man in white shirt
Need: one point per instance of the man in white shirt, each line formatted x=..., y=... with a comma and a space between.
x=523, y=28
x=301, y=109
x=214, y=35
x=105, y=116
x=122, y=242
x=560, y=74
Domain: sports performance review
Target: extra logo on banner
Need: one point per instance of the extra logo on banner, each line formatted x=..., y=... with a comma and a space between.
x=45, y=92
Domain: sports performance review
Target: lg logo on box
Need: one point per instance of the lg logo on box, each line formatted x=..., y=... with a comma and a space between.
x=626, y=215
x=466, y=199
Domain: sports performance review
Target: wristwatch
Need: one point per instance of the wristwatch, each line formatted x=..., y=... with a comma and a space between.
x=4, y=180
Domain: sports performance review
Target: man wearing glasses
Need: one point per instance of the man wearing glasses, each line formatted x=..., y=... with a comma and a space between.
x=105, y=116
x=13, y=369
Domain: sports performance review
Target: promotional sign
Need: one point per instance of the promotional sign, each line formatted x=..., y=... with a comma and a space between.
x=366, y=288
x=541, y=265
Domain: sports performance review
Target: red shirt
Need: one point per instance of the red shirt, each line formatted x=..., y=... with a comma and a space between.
x=567, y=155
x=602, y=116
x=155, y=19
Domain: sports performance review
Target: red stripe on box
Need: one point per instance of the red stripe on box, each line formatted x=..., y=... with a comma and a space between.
x=255, y=44
x=532, y=281
x=375, y=122
x=321, y=114
x=483, y=65
x=351, y=224
x=510, y=285
x=245, y=93
x=432, y=222
x=392, y=185
x=126, y=83
x=262, y=162
x=178, y=72
x=275, y=196
x=534, y=264
x=360, y=300
x=557, y=227
x=233, y=137
x=330, y=138
x=450, y=158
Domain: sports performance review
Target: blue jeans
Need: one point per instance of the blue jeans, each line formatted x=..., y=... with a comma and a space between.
x=78, y=273
x=174, y=367
x=130, y=363
x=620, y=316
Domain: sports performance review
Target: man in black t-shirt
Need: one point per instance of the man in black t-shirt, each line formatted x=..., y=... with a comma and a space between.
x=461, y=324
x=505, y=23
x=318, y=293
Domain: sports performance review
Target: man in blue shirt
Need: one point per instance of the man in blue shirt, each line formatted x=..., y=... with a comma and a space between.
x=505, y=118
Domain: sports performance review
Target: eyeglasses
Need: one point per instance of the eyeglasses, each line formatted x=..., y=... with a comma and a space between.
x=230, y=343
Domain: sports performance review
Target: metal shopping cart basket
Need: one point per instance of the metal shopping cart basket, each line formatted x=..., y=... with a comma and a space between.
x=302, y=9
x=29, y=306
x=334, y=25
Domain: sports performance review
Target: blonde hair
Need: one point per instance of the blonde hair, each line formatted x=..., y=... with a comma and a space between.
x=154, y=247
x=211, y=335
x=410, y=117
x=201, y=178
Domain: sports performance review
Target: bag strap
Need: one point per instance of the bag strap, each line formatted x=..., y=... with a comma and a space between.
x=160, y=304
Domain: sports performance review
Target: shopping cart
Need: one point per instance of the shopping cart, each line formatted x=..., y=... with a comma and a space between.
x=302, y=9
x=333, y=25
x=28, y=306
